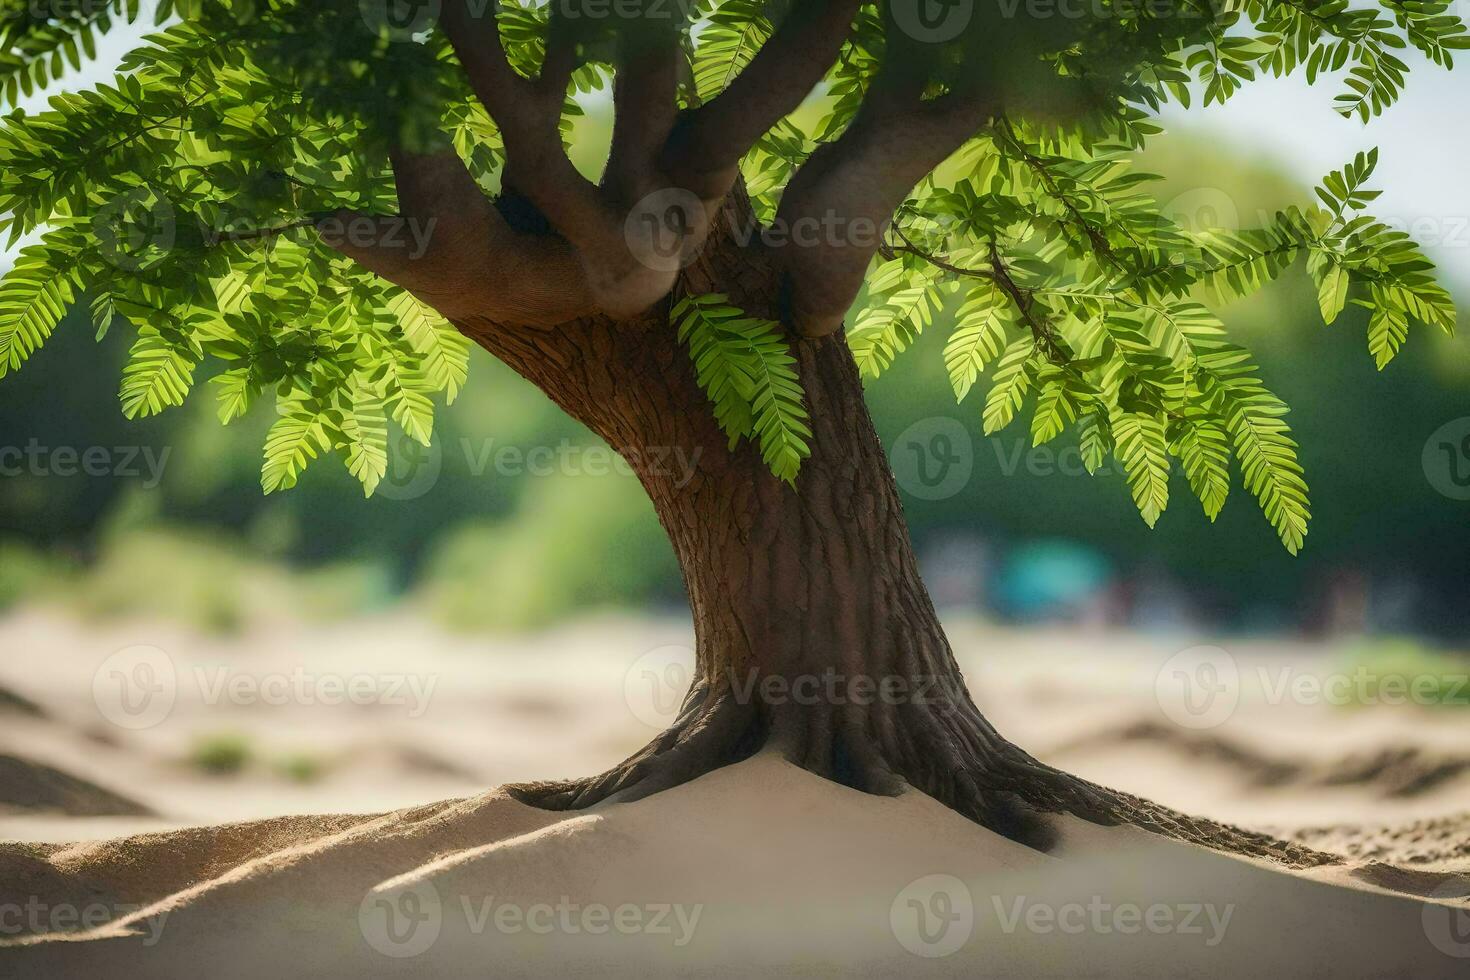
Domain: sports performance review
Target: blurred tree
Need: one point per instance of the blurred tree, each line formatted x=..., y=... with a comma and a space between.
x=341, y=198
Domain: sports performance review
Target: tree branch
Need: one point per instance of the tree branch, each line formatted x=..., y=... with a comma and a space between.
x=529, y=118
x=851, y=188
x=704, y=151
x=644, y=93
x=451, y=248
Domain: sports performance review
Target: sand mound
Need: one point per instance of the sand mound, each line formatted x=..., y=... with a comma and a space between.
x=30, y=786
x=758, y=867
x=13, y=702
x=1442, y=842
x=1392, y=771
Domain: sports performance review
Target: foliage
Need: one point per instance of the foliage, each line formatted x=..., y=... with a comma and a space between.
x=221, y=753
x=551, y=559
x=745, y=367
x=177, y=199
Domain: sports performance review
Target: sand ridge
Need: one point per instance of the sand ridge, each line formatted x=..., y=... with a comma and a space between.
x=756, y=866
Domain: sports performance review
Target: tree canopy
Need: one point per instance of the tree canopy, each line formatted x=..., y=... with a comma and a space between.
x=259, y=195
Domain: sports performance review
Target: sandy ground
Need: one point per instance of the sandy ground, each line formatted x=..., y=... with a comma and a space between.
x=756, y=867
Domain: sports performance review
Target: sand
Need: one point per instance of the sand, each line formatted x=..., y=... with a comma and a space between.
x=759, y=867
x=755, y=868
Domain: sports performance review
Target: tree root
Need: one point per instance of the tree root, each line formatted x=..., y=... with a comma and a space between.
x=946, y=750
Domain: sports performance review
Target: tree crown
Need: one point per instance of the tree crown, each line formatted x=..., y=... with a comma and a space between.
x=327, y=199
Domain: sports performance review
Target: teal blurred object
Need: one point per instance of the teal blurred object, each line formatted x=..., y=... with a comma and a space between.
x=1050, y=579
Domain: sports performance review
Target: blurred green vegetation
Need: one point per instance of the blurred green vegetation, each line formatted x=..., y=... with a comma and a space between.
x=221, y=753
x=1400, y=670
x=485, y=538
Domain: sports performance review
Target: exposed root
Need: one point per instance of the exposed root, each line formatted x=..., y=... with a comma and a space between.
x=946, y=750
x=713, y=730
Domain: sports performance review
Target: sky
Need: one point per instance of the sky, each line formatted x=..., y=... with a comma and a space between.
x=1424, y=141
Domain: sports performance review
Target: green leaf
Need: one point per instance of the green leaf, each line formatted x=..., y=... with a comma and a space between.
x=1332, y=288
x=978, y=337
x=34, y=296
x=1141, y=448
x=1009, y=385
x=1204, y=453
x=366, y=429
x=445, y=351
x=1095, y=439
x=1267, y=454
x=1387, y=331
x=235, y=395
x=158, y=375
x=292, y=442
x=746, y=368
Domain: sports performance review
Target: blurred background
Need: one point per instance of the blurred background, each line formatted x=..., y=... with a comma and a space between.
x=514, y=585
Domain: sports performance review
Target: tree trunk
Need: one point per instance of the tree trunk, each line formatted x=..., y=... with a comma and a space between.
x=815, y=636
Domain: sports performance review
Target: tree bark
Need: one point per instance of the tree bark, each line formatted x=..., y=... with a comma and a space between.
x=815, y=636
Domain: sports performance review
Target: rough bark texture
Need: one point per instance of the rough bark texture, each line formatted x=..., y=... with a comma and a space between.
x=815, y=636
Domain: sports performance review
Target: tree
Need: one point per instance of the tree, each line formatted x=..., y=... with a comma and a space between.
x=333, y=201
